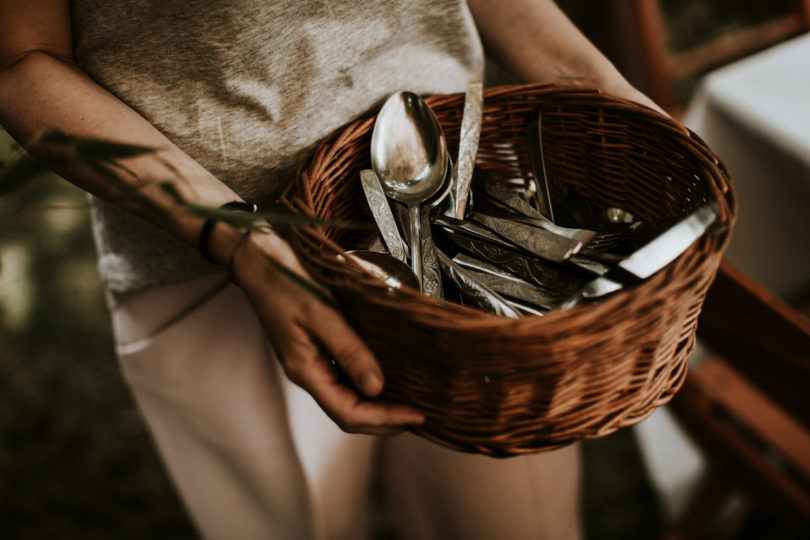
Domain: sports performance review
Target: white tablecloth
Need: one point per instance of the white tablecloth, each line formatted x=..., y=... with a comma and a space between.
x=755, y=114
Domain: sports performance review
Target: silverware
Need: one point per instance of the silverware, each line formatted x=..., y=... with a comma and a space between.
x=652, y=257
x=390, y=270
x=596, y=288
x=409, y=155
x=505, y=284
x=472, y=229
x=469, y=230
x=467, y=148
x=472, y=290
x=495, y=209
x=553, y=280
x=495, y=196
x=431, y=273
x=383, y=217
x=535, y=240
x=492, y=189
x=534, y=144
x=667, y=246
x=618, y=215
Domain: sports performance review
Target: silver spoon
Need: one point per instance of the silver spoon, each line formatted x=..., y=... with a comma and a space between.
x=392, y=271
x=615, y=214
x=409, y=155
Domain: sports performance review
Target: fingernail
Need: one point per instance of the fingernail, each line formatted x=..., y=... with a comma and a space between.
x=371, y=383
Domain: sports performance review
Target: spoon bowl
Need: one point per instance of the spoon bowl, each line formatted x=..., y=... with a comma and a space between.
x=392, y=271
x=618, y=215
x=408, y=149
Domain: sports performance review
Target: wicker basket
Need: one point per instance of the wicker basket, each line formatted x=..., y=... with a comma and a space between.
x=503, y=386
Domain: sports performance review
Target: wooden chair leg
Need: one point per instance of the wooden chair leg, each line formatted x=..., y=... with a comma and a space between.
x=712, y=494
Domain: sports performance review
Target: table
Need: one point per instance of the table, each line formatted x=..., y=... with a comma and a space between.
x=755, y=115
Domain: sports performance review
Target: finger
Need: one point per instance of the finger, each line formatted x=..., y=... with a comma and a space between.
x=351, y=411
x=353, y=357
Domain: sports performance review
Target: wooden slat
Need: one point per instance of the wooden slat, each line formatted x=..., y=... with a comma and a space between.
x=703, y=508
x=761, y=336
x=734, y=457
x=765, y=420
x=662, y=68
x=735, y=45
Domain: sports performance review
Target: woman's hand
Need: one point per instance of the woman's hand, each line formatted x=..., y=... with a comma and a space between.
x=313, y=341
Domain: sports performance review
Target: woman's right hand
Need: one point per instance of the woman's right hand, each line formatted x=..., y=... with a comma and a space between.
x=313, y=341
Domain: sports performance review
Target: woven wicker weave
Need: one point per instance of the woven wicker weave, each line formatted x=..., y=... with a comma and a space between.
x=502, y=386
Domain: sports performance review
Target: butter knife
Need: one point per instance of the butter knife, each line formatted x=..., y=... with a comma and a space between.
x=653, y=256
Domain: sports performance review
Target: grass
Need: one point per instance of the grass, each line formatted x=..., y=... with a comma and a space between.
x=75, y=457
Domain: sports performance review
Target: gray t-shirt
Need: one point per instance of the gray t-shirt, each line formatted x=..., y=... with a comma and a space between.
x=248, y=88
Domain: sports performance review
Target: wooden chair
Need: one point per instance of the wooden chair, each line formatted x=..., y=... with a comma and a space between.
x=635, y=35
x=662, y=68
x=748, y=407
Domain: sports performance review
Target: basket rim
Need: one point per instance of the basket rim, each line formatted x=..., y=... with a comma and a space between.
x=723, y=194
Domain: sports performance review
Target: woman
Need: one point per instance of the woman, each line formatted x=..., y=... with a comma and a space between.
x=235, y=94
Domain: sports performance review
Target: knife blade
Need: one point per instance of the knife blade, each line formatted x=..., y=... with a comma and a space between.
x=667, y=246
x=652, y=257
x=534, y=144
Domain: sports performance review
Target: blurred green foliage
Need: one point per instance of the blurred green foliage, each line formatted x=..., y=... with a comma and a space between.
x=75, y=458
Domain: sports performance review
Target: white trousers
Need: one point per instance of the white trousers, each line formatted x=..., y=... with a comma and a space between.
x=253, y=456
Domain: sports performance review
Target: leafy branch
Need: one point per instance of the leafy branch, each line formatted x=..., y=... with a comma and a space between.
x=57, y=150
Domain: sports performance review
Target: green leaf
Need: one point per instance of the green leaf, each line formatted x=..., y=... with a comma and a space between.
x=22, y=169
x=246, y=220
x=100, y=150
x=85, y=149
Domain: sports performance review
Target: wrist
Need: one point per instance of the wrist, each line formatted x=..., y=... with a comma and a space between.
x=218, y=240
x=258, y=256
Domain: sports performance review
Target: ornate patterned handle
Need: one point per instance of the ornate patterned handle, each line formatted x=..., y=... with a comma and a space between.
x=431, y=274
x=381, y=210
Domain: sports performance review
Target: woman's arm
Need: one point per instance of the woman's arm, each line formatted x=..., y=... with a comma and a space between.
x=536, y=42
x=42, y=89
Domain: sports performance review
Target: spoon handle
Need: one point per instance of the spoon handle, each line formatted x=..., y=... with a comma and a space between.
x=415, y=226
x=468, y=146
x=381, y=210
x=431, y=274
